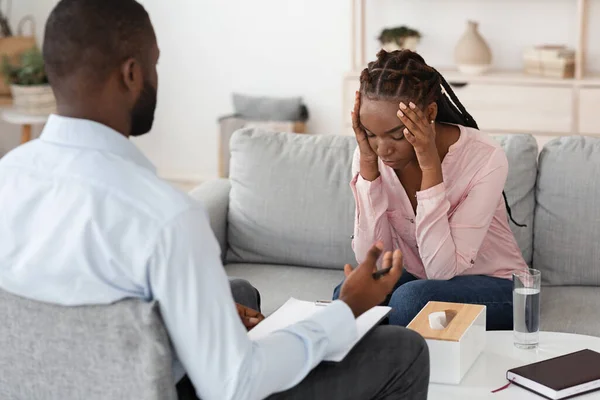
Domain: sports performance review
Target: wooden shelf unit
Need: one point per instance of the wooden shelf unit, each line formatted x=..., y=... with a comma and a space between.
x=507, y=101
x=514, y=77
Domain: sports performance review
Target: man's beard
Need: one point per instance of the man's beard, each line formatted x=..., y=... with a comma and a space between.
x=142, y=115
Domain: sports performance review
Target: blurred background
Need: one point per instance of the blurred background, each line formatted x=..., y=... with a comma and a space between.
x=313, y=49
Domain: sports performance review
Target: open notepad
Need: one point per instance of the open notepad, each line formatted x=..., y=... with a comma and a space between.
x=297, y=310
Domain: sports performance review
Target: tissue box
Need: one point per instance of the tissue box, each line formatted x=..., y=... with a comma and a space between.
x=455, y=334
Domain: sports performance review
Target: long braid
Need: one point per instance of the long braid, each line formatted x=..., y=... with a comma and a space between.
x=404, y=74
x=469, y=121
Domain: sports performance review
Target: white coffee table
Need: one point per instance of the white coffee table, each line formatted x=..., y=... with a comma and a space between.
x=489, y=371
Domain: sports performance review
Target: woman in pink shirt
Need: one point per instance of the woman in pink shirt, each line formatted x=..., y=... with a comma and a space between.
x=428, y=182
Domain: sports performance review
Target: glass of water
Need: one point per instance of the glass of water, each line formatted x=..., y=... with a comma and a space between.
x=526, y=308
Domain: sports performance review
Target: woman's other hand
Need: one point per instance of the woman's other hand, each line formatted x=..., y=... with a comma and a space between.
x=420, y=133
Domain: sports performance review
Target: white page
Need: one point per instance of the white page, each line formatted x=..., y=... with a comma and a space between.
x=297, y=310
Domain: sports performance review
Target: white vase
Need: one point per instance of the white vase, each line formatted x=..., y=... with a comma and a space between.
x=472, y=55
x=33, y=100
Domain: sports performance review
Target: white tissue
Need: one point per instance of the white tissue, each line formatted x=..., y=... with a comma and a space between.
x=438, y=321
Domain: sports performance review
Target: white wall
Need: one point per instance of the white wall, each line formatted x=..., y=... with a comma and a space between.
x=301, y=47
x=508, y=26
x=211, y=48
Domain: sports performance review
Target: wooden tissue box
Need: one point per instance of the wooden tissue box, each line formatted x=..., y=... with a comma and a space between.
x=453, y=349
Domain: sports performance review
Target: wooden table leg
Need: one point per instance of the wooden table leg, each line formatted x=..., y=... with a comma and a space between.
x=25, y=133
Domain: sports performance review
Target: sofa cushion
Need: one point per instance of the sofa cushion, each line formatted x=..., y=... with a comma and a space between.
x=119, y=351
x=567, y=217
x=570, y=309
x=277, y=283
x=290, y=200
x=522, y=153
x=269, y=108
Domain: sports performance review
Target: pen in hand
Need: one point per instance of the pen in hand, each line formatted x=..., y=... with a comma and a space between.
x=381, y=272
x=376, y=276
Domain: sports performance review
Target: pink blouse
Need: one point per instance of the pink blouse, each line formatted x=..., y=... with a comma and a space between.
x=461, y=225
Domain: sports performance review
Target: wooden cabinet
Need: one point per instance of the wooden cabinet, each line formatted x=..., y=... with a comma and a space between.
x=589, y=111
x=518, y=109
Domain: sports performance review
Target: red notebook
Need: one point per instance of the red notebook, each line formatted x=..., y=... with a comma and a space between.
x=561, y=377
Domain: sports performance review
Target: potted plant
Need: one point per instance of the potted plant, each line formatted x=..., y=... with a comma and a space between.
x=399, y=38
x=29, y=85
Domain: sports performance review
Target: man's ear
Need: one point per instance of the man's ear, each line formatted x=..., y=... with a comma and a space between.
x=132, y=76
x=432, y=111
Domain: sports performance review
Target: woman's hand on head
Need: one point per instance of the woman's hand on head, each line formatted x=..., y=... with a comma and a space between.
x=420, y=133
x=369, y=168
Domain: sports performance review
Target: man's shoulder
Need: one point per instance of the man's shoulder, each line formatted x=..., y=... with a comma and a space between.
x=152, y=195
x=111, y=180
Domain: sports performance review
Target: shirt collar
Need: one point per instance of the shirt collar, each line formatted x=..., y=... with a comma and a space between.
x=88, y=134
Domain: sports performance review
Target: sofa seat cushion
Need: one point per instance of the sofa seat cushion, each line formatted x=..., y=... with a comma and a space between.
x=570, y=309
x=277, y=283
x=290, y=200
x=567, y=217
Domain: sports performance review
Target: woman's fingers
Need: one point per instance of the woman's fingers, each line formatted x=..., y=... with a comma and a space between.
x=410, y=125
x=361, y=135
x=366, y=151
x=419, y=131
x=409, y=136
x=419, y=114
x=411, y=121
x=355, y=113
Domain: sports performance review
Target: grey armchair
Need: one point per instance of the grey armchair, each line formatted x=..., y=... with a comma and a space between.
x=50, y=352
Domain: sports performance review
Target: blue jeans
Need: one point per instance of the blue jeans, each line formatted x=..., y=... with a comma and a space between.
x=411, y=294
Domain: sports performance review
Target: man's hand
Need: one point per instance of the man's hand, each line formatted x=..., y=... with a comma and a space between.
x=360, y=291
x=250, y=318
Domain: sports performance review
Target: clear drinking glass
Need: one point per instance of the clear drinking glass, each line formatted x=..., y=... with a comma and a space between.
x=526, y=308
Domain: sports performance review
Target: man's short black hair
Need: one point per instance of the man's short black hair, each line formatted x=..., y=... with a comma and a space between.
x=94, y=37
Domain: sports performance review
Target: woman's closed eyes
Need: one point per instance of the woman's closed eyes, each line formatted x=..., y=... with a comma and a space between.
x=395, y=133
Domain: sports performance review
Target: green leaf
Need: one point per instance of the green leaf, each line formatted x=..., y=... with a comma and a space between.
x=29, y=71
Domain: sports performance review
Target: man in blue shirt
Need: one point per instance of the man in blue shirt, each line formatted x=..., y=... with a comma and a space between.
x=85, y=220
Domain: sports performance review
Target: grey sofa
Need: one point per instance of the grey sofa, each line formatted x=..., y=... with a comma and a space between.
x=284, y=219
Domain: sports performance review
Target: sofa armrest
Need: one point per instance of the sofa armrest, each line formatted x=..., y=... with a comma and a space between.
x=214, y=195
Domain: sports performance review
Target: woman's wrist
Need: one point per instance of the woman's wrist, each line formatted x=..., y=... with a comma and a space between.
x=431, y=176
x=369, y=171
x=429, y=159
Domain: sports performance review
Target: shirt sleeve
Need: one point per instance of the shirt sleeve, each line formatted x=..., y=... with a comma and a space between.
x=187, y=278
x=371, y=223
x=449, y=246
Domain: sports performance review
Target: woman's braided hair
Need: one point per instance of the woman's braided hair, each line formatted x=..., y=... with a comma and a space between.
x=403, y=74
